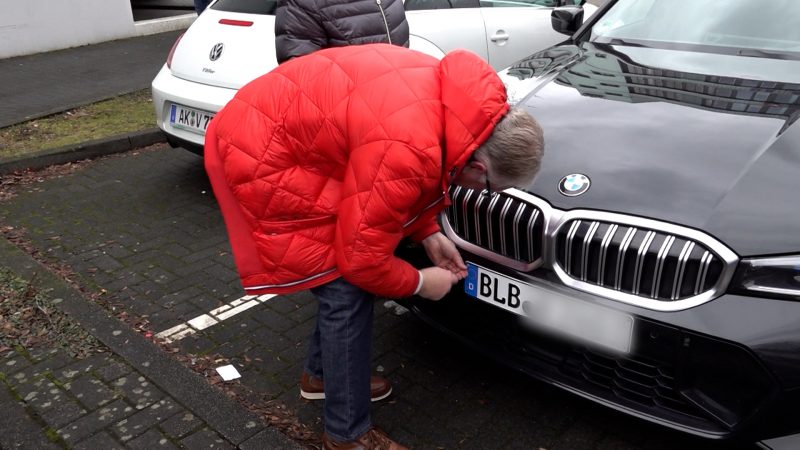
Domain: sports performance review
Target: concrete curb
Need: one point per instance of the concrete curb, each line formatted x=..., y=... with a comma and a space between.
x=86, y=150
x=238, y=425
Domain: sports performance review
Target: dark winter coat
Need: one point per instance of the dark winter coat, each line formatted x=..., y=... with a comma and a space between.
x=305, y=26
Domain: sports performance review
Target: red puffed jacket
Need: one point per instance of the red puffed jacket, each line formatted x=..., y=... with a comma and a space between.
x=323, y=165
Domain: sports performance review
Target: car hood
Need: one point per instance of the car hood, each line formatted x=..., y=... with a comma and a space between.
x=706, y=141
x=243, y=46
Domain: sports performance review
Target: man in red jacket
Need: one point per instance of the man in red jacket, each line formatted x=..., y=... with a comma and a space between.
x=322, y=166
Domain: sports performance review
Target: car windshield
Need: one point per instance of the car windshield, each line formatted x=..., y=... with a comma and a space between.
x=743, y=27
x=266, y=7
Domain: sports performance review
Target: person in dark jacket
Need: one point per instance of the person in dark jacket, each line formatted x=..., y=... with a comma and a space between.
x=325, y=164
x=201, y=5
x=305, y=26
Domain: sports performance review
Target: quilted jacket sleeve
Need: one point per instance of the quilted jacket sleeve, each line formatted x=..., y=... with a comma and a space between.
x=297, y=31
x=383, y=182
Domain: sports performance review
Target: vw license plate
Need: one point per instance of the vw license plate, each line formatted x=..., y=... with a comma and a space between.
x=557, y=314
x=189, y=119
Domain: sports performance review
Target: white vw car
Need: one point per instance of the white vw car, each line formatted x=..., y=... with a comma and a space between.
x=233, y=42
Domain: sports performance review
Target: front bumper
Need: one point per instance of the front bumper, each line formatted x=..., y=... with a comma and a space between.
x=728, y=369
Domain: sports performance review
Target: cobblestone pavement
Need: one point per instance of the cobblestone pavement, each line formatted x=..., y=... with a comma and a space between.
x=144, y=230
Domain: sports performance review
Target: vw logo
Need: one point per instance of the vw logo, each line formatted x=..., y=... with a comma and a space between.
x=216, y=51
x=574, y=184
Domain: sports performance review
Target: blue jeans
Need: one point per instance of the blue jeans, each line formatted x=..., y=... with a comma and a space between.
x=339, y=352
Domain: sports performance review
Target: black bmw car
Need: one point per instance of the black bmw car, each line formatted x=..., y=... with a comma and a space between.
x=654, y=264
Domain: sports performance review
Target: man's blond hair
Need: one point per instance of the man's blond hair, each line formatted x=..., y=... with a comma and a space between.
x=515, y=149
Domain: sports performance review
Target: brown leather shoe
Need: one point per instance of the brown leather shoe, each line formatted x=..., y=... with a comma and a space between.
x=312, y=388
x=374, y=439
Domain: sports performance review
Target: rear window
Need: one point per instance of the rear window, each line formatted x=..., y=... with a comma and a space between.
x=247, y=6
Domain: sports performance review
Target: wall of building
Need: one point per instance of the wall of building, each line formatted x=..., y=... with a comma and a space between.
x=34, y=26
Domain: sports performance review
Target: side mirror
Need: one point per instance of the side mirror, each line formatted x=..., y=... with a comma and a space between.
x=567, y=19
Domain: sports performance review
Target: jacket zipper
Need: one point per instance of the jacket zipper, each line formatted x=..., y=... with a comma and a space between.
x=385, y=22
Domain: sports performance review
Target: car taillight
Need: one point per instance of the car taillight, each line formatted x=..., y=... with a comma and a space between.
x=237, y=23
x=172, y=51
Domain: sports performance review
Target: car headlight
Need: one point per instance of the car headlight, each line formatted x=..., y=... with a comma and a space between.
x=777, y=276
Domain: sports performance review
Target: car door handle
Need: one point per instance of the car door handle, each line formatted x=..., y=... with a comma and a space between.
x=499, y=36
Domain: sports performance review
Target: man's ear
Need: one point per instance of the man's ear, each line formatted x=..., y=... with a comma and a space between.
x=477, y=166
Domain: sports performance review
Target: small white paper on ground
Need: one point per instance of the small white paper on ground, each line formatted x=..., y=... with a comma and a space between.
x=228, y=372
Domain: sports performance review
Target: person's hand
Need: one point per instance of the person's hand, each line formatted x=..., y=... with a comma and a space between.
x=436, y=282
x=443, y=253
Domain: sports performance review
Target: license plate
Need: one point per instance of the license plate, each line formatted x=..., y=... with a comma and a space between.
x=551, y=312
x=189, y=119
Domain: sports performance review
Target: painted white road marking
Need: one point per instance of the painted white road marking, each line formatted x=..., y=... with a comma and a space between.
x=214, y=317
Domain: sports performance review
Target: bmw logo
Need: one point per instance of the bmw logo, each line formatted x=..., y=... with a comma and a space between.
x=574, y=184
x=216, y=51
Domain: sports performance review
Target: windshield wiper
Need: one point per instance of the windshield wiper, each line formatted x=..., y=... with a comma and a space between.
x=618, y=41
x=756, y=53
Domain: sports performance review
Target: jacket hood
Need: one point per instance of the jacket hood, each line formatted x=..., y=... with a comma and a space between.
x=703, y=140
x=474, y=100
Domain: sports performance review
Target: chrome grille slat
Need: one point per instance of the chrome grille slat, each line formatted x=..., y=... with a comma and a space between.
x=623, y=249
x=662, y=256
x=637, y=274
x=517, y=217
x=478, y=221
x=503, y=213
x=464, y=210
x=490, y=213
x=676, y=283
x=585, y=250
x=612, y=230
x=705, y=262
x=531, y=224
x=568, y=247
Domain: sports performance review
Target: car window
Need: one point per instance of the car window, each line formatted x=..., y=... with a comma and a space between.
x=266, y=7
x=417, y=5
x=733, y=26
x=518, y=3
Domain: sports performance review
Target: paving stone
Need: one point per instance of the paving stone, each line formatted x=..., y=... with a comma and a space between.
x=113, y=370
x=91, y=392
x=181, y=424
x=93, y=362
x=101, y=440
x=205, y=438
x=93, y=422
x=13, y=362
x=61, y=413
x=137, y=390
x=152, y=439
x=130, y=427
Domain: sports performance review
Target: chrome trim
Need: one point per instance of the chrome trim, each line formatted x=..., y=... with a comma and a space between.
x=492, y=204
x=503, y=213
x=585, y=250
x=464, y=204
x=568, y=245
x=702, y=271
x=554, y=219
x=477, y=218
x=637, y=271
x=610, y=233
x=531, y=224
x=517, y=216
x=623, y=249
x=677, y=282
x=662, y=257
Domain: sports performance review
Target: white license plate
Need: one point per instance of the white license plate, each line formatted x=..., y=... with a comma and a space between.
x=189, y=119
x=557, y=314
